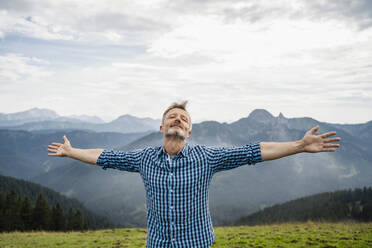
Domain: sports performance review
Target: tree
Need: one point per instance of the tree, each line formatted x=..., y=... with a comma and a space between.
x=58, y=219
x=367, y=211
x=70, y=219
x=41, y=214
x=77, y=221
x=11, y=214
x=26, y=214
x=2, y=207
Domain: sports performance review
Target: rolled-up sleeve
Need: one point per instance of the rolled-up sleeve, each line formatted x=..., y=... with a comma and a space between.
x=127, y=161
x=221, y=158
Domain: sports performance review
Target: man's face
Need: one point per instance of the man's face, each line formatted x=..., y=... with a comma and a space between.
x=176, y=124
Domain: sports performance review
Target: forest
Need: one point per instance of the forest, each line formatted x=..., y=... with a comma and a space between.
x=352, y=204
x=20, y=214
x=28, y=206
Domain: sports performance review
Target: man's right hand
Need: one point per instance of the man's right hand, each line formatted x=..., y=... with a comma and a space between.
x=60, y=150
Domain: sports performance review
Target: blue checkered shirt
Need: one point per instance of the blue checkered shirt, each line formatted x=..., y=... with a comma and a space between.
x=177, y=188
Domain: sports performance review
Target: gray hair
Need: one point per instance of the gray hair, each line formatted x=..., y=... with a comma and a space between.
x=181, y=105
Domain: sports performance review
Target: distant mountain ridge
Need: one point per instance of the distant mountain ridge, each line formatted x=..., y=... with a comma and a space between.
x=87, y=118
x=36, y=119
x=31, y=115
x=24, y=154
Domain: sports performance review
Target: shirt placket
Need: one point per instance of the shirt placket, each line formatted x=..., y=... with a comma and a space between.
x=171, y=198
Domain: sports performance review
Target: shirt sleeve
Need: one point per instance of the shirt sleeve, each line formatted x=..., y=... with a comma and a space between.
x=221, y=158
x=127, y=161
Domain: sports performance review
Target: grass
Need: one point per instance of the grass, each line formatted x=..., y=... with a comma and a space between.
x=310, y=234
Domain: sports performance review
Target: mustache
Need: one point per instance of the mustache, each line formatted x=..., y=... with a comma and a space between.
x=176, y=124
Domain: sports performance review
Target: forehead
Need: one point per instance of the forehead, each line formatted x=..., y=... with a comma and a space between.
x=177, y=111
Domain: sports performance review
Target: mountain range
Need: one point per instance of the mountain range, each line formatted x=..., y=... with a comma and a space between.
x=45, y=120
x=23, y=154
x=235, y=193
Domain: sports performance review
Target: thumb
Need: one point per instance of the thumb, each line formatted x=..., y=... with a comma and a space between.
x=65, y=139
x=314, y=129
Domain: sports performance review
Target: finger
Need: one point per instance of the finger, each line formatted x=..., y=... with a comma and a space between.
x=328, y=150
x=57, y=144
x=52, y=154
x=52, y=150
x=332, y=140
x=325, y=135
x=314, y=129
x=332, y=145
x=54, y=147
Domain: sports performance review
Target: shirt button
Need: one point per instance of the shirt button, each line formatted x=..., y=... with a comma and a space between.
x=171, y=190
x=173, y=239
x=171, y=207
x=171, y=174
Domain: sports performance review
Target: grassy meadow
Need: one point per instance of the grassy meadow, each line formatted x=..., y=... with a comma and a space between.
x=310, y=234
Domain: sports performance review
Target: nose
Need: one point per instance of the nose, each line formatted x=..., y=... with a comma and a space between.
x=177, y=121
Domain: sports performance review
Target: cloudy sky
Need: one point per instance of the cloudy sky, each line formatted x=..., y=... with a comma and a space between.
x=109, y=58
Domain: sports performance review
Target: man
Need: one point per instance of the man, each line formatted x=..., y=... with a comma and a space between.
x=177, y=176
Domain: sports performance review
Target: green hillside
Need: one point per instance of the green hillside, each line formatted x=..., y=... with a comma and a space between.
x=13, y=194
x=332, y=206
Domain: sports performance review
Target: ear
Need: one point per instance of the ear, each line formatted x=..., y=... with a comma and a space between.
x=189, y=133
x=161, y=128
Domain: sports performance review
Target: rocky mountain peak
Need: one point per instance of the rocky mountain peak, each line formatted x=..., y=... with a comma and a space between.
x=126, y=117
x=41, y=112
x=31, y=114
x=261, y=115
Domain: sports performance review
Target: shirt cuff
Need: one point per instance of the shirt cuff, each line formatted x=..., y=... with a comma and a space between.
x=103, y=158
x=256, y=153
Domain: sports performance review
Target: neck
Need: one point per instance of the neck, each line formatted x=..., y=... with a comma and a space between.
x=173, y=145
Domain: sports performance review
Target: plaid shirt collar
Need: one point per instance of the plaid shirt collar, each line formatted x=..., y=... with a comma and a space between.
x=184, y=152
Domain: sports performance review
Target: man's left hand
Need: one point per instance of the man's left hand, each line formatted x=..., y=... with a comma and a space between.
x=319, y=143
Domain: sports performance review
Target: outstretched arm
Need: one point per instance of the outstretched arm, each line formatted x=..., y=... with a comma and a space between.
x=89, y=156
x=309, y=143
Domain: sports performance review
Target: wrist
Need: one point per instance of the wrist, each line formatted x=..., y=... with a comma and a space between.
x=69, y=152
x=300, y=146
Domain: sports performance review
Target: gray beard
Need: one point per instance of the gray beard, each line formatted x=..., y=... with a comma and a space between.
x=175, y=135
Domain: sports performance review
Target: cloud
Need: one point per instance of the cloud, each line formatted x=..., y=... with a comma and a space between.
x=15, y=67
x=358, y=12
x=240, y=55
x=138, y=23
x=16, y=5
x=117, y=22
x=32, y=27
x=291, y=51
